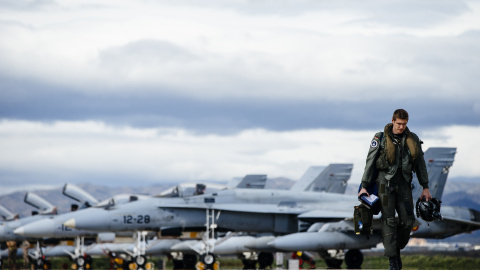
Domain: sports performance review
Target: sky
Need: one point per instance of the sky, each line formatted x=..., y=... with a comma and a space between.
x=142, y=92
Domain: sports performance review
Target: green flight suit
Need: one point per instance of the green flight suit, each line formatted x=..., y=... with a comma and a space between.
x=391, y=162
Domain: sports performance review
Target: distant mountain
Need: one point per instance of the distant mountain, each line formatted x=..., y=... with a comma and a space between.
x=460, y=199
x=472, y=238
x=14, y=202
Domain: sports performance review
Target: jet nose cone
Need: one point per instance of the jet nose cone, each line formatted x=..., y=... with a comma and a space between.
x=70, y=223
x=91, y=219
x=19, y=231
x=40, y=228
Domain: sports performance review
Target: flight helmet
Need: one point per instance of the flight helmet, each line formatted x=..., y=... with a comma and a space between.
x=428, y=211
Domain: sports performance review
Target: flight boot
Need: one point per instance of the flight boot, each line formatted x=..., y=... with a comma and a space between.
x=393, y=263
x=399, y=259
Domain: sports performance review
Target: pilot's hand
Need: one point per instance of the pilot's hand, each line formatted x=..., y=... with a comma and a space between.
x=426, y=194
x=363, y=190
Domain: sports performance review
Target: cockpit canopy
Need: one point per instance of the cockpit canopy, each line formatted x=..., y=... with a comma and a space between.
x=190, y=189
x=119, y=199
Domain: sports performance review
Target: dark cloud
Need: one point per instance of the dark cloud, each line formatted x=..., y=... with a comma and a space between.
x=224, y=116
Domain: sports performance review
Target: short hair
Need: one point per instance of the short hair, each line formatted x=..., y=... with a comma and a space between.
x=401, y=114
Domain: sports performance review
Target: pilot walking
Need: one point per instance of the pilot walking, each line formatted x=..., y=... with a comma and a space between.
x=393, y=156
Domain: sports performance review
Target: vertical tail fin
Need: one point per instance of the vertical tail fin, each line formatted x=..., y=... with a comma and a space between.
x=438, y=161
x=256, y=181
x=332, y=179
x=307, y=178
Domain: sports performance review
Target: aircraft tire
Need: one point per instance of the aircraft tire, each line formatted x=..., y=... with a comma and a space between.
x=189, y=261
x=39, y=263
x=140, y=261
x=354, y=259
x=80, y=262
x=249, y=264
x=178, y=264
x=265, y=260
x=208, y=259
x=333, y=263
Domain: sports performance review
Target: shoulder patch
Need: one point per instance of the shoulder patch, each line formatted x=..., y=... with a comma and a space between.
x=374, y=144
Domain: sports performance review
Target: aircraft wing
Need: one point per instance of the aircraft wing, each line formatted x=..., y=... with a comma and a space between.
x=450, y=225
x=463, y=221
x=303, y=212
x=323, y=214
x=249, y=208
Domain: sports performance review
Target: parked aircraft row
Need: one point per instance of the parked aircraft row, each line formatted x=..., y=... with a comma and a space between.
x=333, y=179
x=314, y=215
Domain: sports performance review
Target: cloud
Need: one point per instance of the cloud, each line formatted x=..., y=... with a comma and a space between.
x=411, y=14
x=462, y=137
x=27, y=5
x=319, y=52
x=38, y=102
x=60, y=152
x=145, y=58
x=476, y=108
